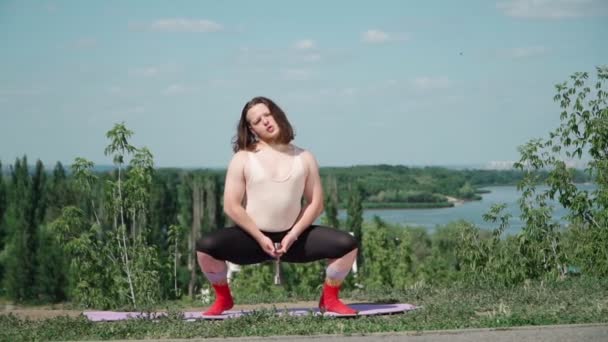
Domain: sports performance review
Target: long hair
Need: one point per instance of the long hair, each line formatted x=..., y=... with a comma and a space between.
x=246, y=140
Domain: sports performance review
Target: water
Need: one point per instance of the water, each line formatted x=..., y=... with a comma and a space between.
x=469, y=211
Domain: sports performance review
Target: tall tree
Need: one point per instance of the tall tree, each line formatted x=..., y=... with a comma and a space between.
x=118, y=148
x=583, y=133
x=2, y=210
x=3, y=204
x=38, y=196
x=331, y=202
x=51, y=267
x=212, y=207
x=131, y=267
x=58, y=193
x=19, y=263
x=198, y=212
x=354, y=211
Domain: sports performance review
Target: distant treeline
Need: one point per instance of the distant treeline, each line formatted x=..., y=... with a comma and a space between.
x=391, y=186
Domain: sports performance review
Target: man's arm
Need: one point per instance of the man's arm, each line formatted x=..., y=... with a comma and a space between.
x=234, y=192
x=313, y=194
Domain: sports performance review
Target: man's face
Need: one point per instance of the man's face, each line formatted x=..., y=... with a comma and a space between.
x=262, y=123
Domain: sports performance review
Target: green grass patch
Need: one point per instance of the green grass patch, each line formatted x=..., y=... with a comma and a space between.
x=576, y=300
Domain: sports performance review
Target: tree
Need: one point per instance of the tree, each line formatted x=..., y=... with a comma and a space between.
x=51, y=276
x=196, y=227
x=378, y=252
x=20, y=248
x=354, y=211
x=175, y=242
x=2, y=210
x=331, y=202
x=51, y=264
x=131, y=265
x=582, y=135
x=58, y=193
x=118, y=148
x=213, y=208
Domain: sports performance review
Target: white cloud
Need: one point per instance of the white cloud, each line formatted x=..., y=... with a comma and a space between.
x=224, y=83
x=85, y=43
x=186, y=25
x=19, y=92
x=145, y=71
x=306, y=52
x=524, y=52
x=175, y=89
x=553, y=9
x=311, y=58
x=374, y=36
x=429, y=83
x=305, y=44
x=154, y=70
x=135, y=110
x=295, y=74
x=51, y=8
x=337, y=93
x=117, y=112
x=117, y=90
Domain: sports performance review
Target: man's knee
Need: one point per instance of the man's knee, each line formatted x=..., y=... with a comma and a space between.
x=206, y=244
x=348, y=243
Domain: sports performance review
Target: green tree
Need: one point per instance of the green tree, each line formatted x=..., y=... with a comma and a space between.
x=38, y=196
x=58, y=193
x=175, y=248
x=88, y=252
x=19, y=253
x=51, y=265
x=466, y=191
x=582, y=135
x=118, y=148
x=354, y=211
x=378, y=253
x=185, y=219
x=331, y=203
x=131, y=264
x=213, y=209
x=138, y=260
x=3, y=204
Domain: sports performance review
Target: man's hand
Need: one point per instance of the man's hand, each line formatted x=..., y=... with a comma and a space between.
x=287, y=241
x=267, y=246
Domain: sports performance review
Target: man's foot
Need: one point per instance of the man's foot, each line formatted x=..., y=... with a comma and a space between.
x=330, y=302
x=223, y=301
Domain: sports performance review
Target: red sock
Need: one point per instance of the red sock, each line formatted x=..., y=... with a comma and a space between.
x=330, y=302
x=223, y=300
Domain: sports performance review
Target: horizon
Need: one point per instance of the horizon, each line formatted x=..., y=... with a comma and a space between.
x=48, y=167
x=397, y=82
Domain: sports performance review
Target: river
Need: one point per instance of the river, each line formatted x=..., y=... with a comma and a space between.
x=469, y=211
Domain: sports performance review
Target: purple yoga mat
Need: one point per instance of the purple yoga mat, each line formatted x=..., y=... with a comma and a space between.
x=364, y=310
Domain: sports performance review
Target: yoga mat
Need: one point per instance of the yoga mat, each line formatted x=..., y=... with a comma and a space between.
x=364, y=310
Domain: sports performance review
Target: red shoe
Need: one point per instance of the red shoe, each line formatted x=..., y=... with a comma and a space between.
x=223, y=301
x=330, y=302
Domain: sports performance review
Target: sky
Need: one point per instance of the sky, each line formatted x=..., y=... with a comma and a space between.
x=363, y=82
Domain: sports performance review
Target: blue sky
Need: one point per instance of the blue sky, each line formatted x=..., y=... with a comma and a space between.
x=363, y=82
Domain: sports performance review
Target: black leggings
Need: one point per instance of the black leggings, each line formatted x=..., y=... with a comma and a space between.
x=315, y=243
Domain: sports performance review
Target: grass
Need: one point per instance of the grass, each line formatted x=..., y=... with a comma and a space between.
x=575, y=300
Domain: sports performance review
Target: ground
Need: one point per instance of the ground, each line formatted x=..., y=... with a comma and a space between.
x=57, y=310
